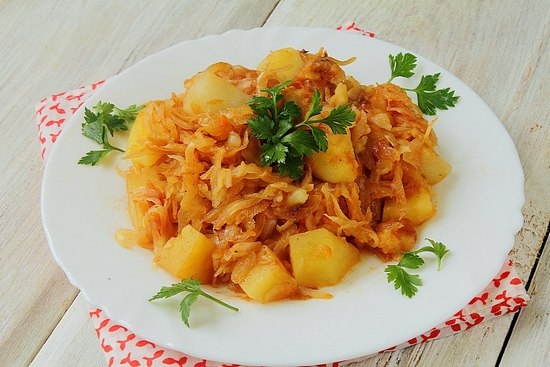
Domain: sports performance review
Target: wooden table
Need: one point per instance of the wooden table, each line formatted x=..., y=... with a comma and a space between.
x=499, y=48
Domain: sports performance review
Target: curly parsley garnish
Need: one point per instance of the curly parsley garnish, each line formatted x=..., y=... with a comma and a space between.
x=405, y=281
x=100, y=122
x=193, y=287
x=429, y=98
x=286, y=138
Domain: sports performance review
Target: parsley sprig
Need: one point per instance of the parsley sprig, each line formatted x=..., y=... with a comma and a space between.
x=102, y=121
x=429, y=98
x=193, y=287
x=286, y=138
x=407, y=282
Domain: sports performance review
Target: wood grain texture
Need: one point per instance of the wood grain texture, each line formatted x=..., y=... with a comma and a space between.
x=499, y=48
x=534, y=323
x=51, y=47
x=72, y=340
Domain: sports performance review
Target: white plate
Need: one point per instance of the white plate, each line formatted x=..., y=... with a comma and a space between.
x=479, y=208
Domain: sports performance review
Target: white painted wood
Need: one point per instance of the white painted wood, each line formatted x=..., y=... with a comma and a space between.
x=73, y=340
x=529, y=344
x=48, y=47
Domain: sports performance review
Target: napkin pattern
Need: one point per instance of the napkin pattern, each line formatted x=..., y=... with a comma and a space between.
x=505, y=294
x=52, y=112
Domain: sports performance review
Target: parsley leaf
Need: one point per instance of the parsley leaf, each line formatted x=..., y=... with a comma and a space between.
x=193, y=287
x=411, y=260
x=302, y=142
x=102, y=120
x=93, y=128
x=286, y=138
x=261, y=127
x=437, y=248
x=429, y=98
x=93, y=156
x=402, y=65
x=274, y=154
x=405, y=281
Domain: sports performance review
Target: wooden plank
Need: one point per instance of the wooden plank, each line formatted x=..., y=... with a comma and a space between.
x=533, y=324
x=72, y=340
x=50, y=47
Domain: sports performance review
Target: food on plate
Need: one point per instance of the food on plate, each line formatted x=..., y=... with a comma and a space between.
x=320, y=258
x=188, y=255
x=273, y=180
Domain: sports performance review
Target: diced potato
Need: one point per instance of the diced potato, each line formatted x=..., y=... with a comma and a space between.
x=189, y=255
x=207, y=92
x=419, y=207
x=268, y=280
x=139, y=133
x=282, y=64
x=434, y=168
x=319, y=258
x=338, y=163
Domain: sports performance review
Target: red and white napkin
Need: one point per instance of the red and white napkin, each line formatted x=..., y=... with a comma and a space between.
x=505, y=294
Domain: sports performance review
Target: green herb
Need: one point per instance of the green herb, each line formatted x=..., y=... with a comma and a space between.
x=286, y=138
x=429, y=98
x=404, y=280
x=193, y=287
x=402, y=65
x=104, y=120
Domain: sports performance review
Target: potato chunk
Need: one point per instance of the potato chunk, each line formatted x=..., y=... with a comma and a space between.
x=207, y=92
x=139, y=133
x=268, y=280
x=189, y=255
x=320, y=258
x=419, y=207
x=434, y=168
x=282, y=64
x=338, y=163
